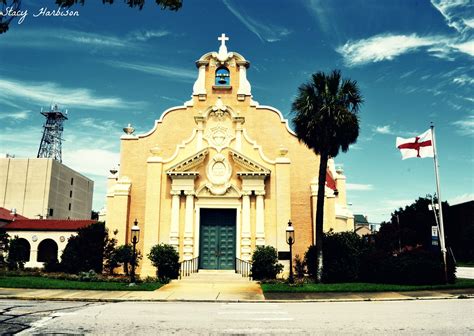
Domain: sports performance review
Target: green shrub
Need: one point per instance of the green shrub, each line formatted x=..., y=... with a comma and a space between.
x=52, y=265
x=311, y=261
x=411, y=267
x=18, y=254
x=342, y=252
x=85, y=251
x=299, y=267
x=110, y=259
x=265, y=263
x=123, y=256
x=90, y=276
x=166, y=259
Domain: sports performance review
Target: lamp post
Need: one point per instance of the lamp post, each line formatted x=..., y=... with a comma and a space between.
x=290, y=239
x=135, y=239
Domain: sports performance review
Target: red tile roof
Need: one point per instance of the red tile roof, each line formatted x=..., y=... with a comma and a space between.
x=6, y=215
x=48, y=224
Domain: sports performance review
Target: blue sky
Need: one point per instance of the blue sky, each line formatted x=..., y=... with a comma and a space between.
x=112, y=65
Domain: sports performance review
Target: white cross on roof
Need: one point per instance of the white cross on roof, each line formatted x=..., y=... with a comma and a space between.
x=223, y=38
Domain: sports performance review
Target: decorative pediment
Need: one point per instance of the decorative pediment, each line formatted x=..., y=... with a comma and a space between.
x=251, y=167
x=184, y=167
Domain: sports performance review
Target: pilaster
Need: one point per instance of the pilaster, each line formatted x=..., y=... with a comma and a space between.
x=260, y=218
x=152, y=207
x=188, y=248
x=117, y=214
x=174, y=229
x=245, y=244
x=283, y=197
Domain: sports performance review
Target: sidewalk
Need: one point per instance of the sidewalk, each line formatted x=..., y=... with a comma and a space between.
x=211, y=293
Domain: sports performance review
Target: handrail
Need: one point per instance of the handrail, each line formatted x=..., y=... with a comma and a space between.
x=243, y=267
x=187, y=267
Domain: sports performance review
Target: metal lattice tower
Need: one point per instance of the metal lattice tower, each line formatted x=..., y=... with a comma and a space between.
x=51, y=142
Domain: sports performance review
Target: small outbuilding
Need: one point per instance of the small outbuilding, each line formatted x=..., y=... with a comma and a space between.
x=45, y=239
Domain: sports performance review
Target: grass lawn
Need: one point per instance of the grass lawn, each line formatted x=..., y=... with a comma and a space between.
x=47, y=283
x=359, y=287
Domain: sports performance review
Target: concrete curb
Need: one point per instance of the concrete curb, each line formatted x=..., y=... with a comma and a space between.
x=116, y=300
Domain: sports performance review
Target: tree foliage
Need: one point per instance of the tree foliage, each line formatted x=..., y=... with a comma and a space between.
x=350, y=258
x=172, y=5
x=110, y=260
x=4, y=240
x=326, y=121
x=265, y=264
x=166, y=259
x=18, y=253
x=342, y=256
x=410, y=226
x=85, y=251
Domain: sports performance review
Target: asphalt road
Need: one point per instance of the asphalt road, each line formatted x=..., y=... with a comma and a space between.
x=434, y=317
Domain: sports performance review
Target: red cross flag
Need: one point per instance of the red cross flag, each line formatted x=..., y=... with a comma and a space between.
x=420, y=146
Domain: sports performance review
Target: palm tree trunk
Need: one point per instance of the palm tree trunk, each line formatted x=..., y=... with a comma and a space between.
x=323, y=165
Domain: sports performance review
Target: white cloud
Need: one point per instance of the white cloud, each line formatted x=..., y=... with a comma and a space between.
x=145, y=35
x=21, y=144
x=93, y=161
x=384, y=47
x=47, y=92
x=60, y=38
x=383, y=129
x=407, y=74
x=20, y=115
x=469, y=22
x=465, y=126
x=466, y=47
x=461, y=199
x=453, y=12
x=320, y=11
x=92, y=39
x=105, y=126
x=387, y=47
x=463, y=79
x=359, y=187
x=68, y=38
x=153, y=69
x=268, y=33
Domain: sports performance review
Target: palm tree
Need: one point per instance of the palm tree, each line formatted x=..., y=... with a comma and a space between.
x=326, y=121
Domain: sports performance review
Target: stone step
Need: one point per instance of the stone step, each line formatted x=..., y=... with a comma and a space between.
x=214, y=276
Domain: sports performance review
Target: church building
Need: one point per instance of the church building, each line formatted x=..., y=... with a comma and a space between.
x=220, y=175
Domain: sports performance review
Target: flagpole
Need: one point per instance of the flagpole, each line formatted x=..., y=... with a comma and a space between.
x=441, y=220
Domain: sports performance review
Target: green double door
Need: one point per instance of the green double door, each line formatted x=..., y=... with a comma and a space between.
x=217, y=239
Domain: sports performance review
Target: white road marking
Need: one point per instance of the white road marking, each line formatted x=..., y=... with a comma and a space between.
x=36, y=325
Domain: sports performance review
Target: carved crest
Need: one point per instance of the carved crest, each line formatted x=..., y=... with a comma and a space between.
x=219, y=172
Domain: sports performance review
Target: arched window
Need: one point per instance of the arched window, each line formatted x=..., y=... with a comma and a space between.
x=47, y=250
x=26, y=248
x=222, y=77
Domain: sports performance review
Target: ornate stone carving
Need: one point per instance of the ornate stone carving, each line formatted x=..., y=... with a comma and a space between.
x=219, y=172
x=219, y=110
x=219, y=137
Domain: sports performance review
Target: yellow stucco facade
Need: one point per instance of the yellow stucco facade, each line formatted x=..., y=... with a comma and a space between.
x=220, y=150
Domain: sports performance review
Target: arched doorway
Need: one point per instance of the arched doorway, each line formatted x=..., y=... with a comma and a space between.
x=47, y=250
x=25, y=248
